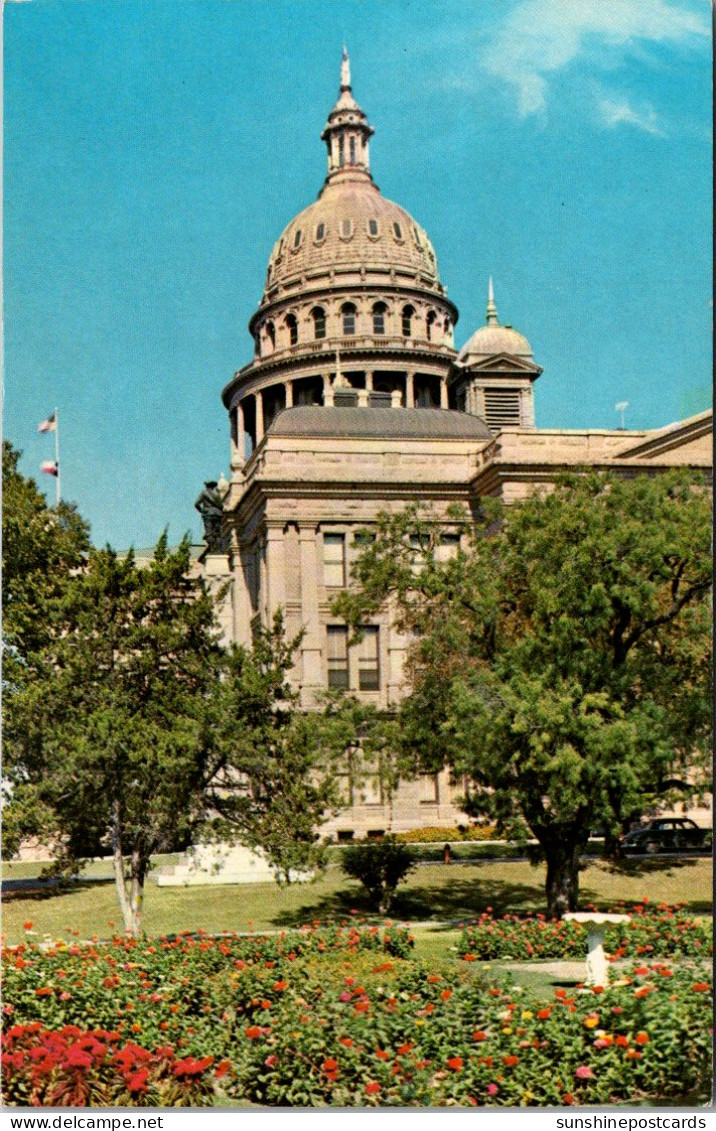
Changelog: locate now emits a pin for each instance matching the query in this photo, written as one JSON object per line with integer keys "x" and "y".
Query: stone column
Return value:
{"x": 312, "y": 674}
{"x": 275, "y": 571}
{"x": 240, "y": 432}
{"x": 369, "y": 380}
{"x": 259, "y": 398}
{"x": 443, "y": 392}
{"x": 410, "y": 390}
{"x": 327, "y": 391}
{"x": 241, "y": 599}
{"x": 288, "y": 386}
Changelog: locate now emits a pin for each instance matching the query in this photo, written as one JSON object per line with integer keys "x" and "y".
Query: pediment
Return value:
{"x": 501, "y": 363}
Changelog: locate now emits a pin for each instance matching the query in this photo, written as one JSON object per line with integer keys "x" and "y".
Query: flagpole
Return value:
{"x": 57, "y": 455}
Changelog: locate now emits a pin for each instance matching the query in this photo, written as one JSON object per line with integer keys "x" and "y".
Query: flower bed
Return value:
{"x": 331, "y": 1017}
{"x": 657, "y": 933}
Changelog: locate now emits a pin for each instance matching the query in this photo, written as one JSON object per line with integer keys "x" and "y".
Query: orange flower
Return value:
{"x": 44, "y": 991}
{"x": 622, "y": 1041}
{"x": 432, "y": 978}
{"x": 633, "y": 1055}
{"x": 568, "y": 1099}
{"x": 543, "y": 1014}
{"x": 372, "y": 1088}
{"x": 403, "y": 1050}
{"x": 329, "y": 1064}
{"x": 362, "y": 1006}
{"x": 278, "y": 986}
{"x": 641, "y": 1039}
{"x": 469, "y": 958}
{"x": 446, "y": 994}
{"x": 643, "y": 991}
{"x": 456, "y": 1063}
{"x": 382, "y": 1054}
{"x": 701, "y": 986}
{"x": 253, "y": 1032}
{"x": 478, "y": 1035}
{"x": 347, "y": 1041}
{"x": 265, "y": 1004}
{"x": 510, "y": 1061}
{"x": 27, "y": 926}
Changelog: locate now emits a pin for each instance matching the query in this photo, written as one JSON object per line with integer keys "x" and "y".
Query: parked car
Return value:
{"x": 666, "y": 834}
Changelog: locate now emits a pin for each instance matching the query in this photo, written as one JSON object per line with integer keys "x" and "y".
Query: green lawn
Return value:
{"x": 432, "y": 893}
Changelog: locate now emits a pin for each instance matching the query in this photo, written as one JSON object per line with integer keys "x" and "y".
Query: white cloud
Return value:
{"x": 539, "y": 37}
{"x": 616, "y": 113}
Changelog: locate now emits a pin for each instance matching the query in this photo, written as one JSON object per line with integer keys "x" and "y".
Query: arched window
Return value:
{"x": 408, "y": 315}
{"x": 297, "y": 238}
{"x": 341, "y": 155}
{"x": 318, "y": 315}
{"x": 372, "y": 227}
{"x": 292, "y": 327}
{"x": 379, "y": 312}
{"x": 348, "y": 314}
{"x": 352, "y": 145}
{"x": 346, "y": 228}
{"x": 398, "y": 230}
{"x": 271, "y": 334}
{"x": 429, "y": 323}
{"x": 320, "y": 232}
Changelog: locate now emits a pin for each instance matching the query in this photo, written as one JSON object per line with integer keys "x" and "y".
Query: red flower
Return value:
{"x": 382, "y": 1054}
{"x": 510, "y": 1061}
{"x": 43, "y": 991}
{"x": 456, "y": 1063}
{"x": 347, "y": 1041}
{"x": 622, "y": 1041}
{"x": 253, "y": 1032}
{"x": 329, "y": 1064}
{"x": 403, "y": 1050}
{"x": 138, "y": 1082}
{"x": 372, "y": 1088}
{"x": 568, "y": 1099}
{"x": 271, "y": 1060}
{"x": 222, "y": 1068}
{"x": 278, "y": 986}
{"x": 478, "y": 1035}
{"x": 543, "y": 1014}
{"x": 27, "y": 926}
{"x": 446, "y": 994}
{"x": 641, "y": 1039}
{"x": 634, "y": 1055}
{"x": 700, "y": 986}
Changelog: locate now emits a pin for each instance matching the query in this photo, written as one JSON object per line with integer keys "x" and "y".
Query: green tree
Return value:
{"x": 561, "y": 659}
{"x": 380, "y": 865}
{"x": 133, "y": 727}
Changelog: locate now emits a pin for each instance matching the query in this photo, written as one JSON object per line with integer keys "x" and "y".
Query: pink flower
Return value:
{"x": 584, "y": 1072}
{"x": 492, "y": 1089}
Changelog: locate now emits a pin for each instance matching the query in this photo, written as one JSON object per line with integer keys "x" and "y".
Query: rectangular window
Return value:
{"x": 502, "y": 408}
{"x": 369, "y": 660}
{"x": 337, "y": 654}
{"x": 334, "y": 560}
{"x": 429, "y": 789}
{"x": 447, "y": 547}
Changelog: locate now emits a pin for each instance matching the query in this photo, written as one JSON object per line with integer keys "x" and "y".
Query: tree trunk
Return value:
{"x": 562, "y": 886}
{"x": 139, "y": 872}
{"x": 118, "y": 863}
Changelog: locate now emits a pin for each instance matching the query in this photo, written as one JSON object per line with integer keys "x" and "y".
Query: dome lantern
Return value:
{"x": 347, "y": 133}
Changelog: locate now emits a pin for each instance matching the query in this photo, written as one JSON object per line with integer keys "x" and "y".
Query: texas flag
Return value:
{"x": 49, "y": 425}
{"x": 49, "y": 467}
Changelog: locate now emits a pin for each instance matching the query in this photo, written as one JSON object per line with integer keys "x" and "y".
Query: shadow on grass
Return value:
{"x": 48, "y": 889}
{"x": 464, "y": 899}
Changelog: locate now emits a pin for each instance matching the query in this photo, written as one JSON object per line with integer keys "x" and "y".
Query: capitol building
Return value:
{"x": 356, "y": 402}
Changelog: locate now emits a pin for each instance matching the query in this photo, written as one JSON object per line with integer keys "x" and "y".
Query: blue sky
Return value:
{"x": 155, "y": 149}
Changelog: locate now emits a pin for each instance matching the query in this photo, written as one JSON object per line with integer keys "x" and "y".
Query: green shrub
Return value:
{"x": 437, "y": 835}
{"x": 380, "y": 866}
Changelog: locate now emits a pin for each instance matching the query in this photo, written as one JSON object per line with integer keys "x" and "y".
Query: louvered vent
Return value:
{"x": 502, "y": 408}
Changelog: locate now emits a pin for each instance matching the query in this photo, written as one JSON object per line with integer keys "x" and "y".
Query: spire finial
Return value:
{"x": 491, "y": 308}
{"x": 345, "y": 70}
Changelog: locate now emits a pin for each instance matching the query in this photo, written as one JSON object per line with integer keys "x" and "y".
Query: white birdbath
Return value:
{"x": 595, "y": 922}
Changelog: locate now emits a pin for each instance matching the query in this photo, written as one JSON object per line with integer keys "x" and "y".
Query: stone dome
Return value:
{"x": 352, "y": 224}
{"x": 493, "y": 339}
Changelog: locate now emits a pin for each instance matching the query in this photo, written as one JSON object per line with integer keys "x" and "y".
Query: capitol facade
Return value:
{"x": 356, "y": 402}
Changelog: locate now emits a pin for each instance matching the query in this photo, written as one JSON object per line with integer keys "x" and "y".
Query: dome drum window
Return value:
{"x": 373, "y": 229}
{"x": 407, "y": 321}
{"x": 297, "y": 239}
{"x": 346, "y": 229}
{"x": 292, "y": 327}
{"x": 348, "y": 316}
{"x": 320, "y": 233}
{"x": 318, "y": 315}
{"x": 379, "y": 312}
{"x": 398, "y": 231}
